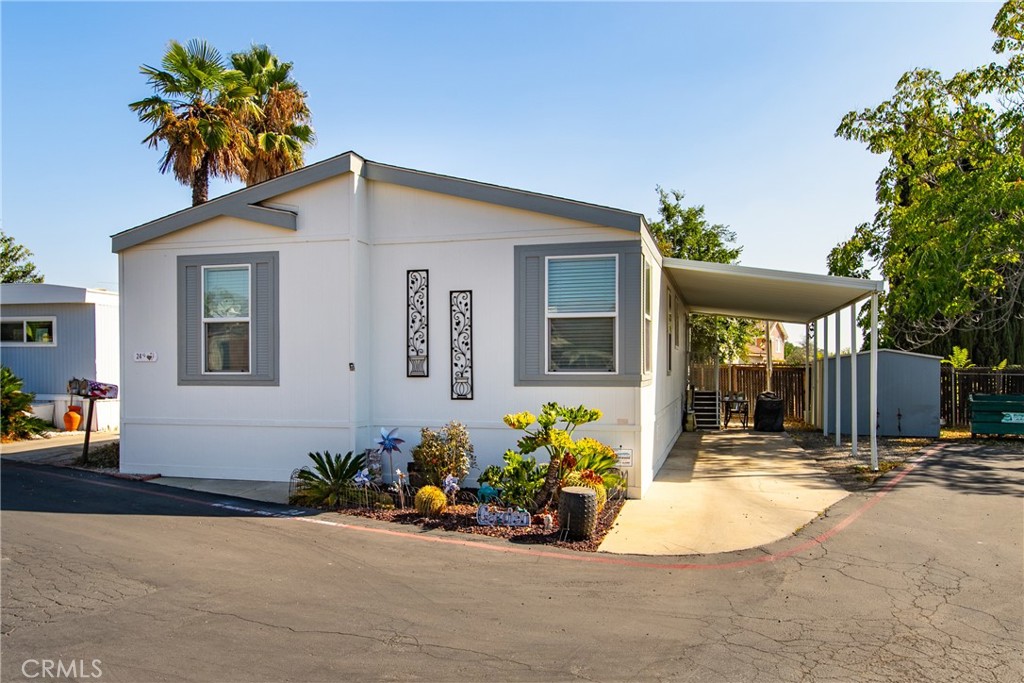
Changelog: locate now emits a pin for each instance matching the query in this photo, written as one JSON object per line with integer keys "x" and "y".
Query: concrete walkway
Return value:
{"x": 60, "y": 448}
{"x": 724, "y": 491}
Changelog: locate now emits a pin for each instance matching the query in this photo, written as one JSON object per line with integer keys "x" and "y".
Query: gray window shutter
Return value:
{"x": 533, "y": 283}
{"x": 190, "y": 324}
{"x": 264, "y": 323}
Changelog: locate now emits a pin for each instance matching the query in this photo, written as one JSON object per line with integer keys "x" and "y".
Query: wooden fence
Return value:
{"x": 751, "y": 380}
{"x": 958, "y": 385}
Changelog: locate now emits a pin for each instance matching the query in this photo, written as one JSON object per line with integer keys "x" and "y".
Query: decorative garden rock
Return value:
{"x": 577, "y": 512}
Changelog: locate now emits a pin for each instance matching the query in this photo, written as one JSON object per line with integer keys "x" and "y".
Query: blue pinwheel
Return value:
{"x": 362, "y": 478}
{"x": 450, "y": 486}
{"x": 388, "y": 442}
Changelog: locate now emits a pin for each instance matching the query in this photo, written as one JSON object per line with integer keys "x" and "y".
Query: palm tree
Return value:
{"x": 198, "y": 109}
{"x": 281, "y": 129}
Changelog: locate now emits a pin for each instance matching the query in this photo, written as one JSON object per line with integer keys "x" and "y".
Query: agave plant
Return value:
{"x": 331, "y": 481}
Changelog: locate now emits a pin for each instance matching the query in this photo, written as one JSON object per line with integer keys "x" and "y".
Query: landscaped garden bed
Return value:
{"x": 462, "y": 518}
{"x": 518, "y": 501}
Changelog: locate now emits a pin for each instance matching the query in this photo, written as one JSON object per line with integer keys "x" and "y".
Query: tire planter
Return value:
{"x": 577, "y": 512}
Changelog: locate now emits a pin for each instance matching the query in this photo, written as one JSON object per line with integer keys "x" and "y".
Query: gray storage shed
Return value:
{"x": 908, "y": 394}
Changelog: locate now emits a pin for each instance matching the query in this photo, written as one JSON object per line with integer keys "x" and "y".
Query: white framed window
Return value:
{"x": 226, "y": 320}
{"x": 581, "y": 314}
{"x": 28, "y": 331}
{"x": 648, "y": 341}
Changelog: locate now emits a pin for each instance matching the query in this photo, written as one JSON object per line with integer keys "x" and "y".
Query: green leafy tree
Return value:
{"x": 280, "y": 122}
{"x": 14, "y": 262}
{"x": 684, "y": 232}
{"x": 949, "y": 231}
{"x": 199, "y": 112}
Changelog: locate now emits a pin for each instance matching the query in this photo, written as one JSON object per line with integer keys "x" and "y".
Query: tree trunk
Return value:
{"x": 201, "y": 182}
{"x": 547, "y": 492}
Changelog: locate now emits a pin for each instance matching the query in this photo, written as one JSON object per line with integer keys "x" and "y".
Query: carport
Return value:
{"x": 791, "y": 297}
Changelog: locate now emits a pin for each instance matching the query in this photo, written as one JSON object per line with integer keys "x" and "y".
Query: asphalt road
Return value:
{"x": 132, "y": 582}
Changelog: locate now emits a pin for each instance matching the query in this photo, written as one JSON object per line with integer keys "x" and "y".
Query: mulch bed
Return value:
{"x": 462, "y": 518}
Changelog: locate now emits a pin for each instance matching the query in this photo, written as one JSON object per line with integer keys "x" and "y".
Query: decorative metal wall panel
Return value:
{"x": 462, "y": 344}
{"x": 416, "y": 324}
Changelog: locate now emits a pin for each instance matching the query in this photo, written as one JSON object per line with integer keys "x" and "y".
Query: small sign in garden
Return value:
{"x": 491, "y": 515}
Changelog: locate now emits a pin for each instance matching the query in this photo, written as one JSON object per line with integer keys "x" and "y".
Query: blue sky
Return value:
{"x": 735, "y": 104}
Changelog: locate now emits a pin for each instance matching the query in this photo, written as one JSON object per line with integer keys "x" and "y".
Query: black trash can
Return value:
{"x": 768, "y": 412}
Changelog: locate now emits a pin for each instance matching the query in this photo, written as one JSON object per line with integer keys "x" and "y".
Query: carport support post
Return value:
{"x": 807, "y": 374}
{"x": 873, "y": 384}
{"x": 816, "y": 367}
{"x": 839, "y": 396}
{"x": 824, "y": 378}
{"x": 853, "y": 380}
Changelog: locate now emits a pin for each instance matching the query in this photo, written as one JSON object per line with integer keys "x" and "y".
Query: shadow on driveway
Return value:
{"x": 41, "y": 488}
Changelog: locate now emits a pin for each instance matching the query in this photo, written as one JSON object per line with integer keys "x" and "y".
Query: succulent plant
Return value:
{"x": 590, "y": 480}
{"x": 431, "y": 501}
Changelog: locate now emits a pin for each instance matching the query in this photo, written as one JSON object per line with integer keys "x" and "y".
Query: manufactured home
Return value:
{"x": 310, "y": 311}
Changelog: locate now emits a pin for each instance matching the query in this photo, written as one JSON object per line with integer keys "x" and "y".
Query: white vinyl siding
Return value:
{"x": 582, "y": 313}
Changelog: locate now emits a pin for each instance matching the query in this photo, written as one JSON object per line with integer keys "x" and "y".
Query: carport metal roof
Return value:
{"x": 783, "y": 296}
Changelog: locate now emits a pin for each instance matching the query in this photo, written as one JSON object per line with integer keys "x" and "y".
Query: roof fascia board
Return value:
{"x": 504, "y": 196}
{"x": 278, "y": 218}
{"x": 239, "y": 204}
{"x": 865, "y": 285}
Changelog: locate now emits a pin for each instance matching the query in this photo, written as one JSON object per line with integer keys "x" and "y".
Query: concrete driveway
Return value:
{"x": 724, "y": 491}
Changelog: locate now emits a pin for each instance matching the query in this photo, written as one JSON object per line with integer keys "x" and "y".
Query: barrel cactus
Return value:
{"x": 431, "y": 501}
{"x": 591, "y": 482}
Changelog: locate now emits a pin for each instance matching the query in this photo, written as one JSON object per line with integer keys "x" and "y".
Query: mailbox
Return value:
{"x": 88, "y": 388}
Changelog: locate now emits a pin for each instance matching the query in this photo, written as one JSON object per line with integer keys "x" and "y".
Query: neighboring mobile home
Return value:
{"x": 310, "y": 311}
{"x": 50, "y": 334}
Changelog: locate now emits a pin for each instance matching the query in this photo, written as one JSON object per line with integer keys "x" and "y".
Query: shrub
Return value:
{"x": 591, "y": 454}
{"x": 329, "y": 483}
{"x": 519, "y": 481}
{"x": 446, "y": 452}
{"x": 555, "y": 439}
{"x": 16, "y": 419}
{"x": 431, "y": 502}
{"x": 591, "y": 480}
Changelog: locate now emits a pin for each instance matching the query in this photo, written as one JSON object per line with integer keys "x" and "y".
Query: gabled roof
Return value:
{"x": 21, "y": 293}
{"x": 246, "y": 203}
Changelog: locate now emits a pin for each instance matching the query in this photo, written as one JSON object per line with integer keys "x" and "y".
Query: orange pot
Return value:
{"x": 72, "y": 419}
